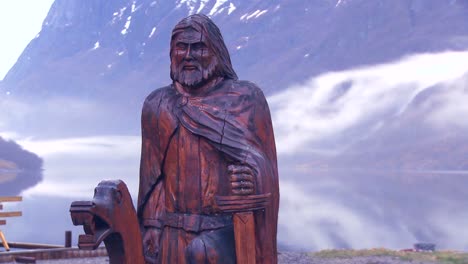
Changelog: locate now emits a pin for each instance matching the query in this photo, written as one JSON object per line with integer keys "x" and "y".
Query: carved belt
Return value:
{"x": 196, "y": 222}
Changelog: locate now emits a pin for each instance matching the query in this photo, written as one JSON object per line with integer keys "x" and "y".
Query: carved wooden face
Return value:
{"x": 192, "y": 60}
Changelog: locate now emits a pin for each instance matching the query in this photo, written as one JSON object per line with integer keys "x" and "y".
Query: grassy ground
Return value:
{"x": 446, "y": 257}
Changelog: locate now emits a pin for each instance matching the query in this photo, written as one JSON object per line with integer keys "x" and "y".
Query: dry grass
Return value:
{"x": 445, "y": 257}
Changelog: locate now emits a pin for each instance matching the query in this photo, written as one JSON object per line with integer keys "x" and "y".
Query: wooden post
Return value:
{"x": 68, "y": 239}
{"x": 11, "y": 199}
{"x": 8, "y": 214}
{"x": 4, "y": 242}
{"x": 11, "y": 214}
{"x": 244, "y": 230}
{"x": 243, "y": 207}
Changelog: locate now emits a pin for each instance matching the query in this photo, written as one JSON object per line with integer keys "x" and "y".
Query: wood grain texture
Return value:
{"x": 4, "y": 241}
{"x": 11, "y": 214}
{"x": 110, "y": 218}
{"x": 244, "y": 227}
{"x": 207, "y": 150}
{"x": 10, "y": 199}
{"x": 208, "y": 190}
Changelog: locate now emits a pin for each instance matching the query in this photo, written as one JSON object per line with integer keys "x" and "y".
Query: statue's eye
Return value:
{"x": 181, "y": 45}
{"x": 198, "y": 46}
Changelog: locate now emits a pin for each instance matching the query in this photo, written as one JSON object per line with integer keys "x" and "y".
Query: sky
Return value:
{"x": 20, "y": 21}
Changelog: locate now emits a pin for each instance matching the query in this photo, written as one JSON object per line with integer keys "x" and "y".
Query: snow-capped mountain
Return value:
{"x": 94, "y": 60}
{"x": 91, "y": 48}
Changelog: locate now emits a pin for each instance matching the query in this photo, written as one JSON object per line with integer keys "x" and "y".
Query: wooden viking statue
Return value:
{"x": 208, "y": 155}
{"x": 208, "y": 177}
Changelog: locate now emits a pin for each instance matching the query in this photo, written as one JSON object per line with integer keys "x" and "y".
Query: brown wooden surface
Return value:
{"x": 244, "y": 227}
{"x": 4, "y": 241}
{"x": 204, "y": 137}
{"x": 11, "y": 214}
{"x": 24, "y": 245}
{"x": 110, "y": 218}
{"x": 10, "y": 199}
{"x": 208, "y": 189}
{"x": 241, "y": 203}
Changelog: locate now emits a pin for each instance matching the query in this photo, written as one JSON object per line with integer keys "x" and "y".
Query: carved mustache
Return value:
{"x": 189, "y": 66}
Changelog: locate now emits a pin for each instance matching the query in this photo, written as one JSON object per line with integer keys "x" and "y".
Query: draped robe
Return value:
{"x": 234, "y": 119}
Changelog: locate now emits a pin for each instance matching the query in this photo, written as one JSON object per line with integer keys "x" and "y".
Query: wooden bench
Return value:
{"x": 4, "y": 199}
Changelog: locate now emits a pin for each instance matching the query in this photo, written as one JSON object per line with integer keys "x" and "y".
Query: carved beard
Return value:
{"x": 195, "y": 78}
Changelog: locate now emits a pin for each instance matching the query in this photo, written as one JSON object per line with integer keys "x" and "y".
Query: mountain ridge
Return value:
{"x": 133, "y": 36}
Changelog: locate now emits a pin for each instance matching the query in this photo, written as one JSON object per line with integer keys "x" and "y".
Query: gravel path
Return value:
{"x": 97, "y": 260}
{"x": 283, "y": 258}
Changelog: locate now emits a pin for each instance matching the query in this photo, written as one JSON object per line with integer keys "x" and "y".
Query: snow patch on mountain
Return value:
{"x": 202, "y": 5}
{"x": 341, "y": 3}
{"x": 152, "y": 32}
{"x": 232, "y": 7}
{"x": 196, "y": 6}
{"x": 216, "y": 7}
{"x": 118, "y": 15}
{"x": 256, "y": 14}
{"x": 126, "y": 26}
{"x": 190, "y": 4}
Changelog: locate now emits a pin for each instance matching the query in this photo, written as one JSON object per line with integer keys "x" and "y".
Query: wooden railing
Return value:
{"x": 4, "y": 199}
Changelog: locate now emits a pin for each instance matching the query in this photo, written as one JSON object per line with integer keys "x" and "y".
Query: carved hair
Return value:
{"x": 215, "y": 41}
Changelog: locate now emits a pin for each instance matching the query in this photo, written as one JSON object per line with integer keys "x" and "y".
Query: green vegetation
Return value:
{"x": 445, "y": 257}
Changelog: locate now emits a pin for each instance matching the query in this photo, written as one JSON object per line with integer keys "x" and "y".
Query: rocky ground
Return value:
{"x": 304, "y": 258}
{"x": 283, "y": 258}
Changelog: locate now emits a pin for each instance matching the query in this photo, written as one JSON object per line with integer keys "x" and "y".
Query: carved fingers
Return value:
{"x": 242, "y": 179}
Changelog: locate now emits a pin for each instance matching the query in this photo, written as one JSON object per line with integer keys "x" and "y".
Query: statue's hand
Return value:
{"x": 151, "y": 244}
{"x": 242, "y": 179}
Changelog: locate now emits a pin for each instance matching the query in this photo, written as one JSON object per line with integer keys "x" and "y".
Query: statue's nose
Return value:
{"x": 188, "y": 53}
